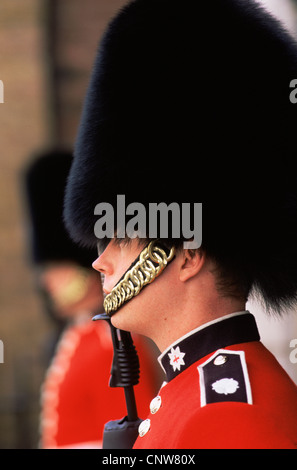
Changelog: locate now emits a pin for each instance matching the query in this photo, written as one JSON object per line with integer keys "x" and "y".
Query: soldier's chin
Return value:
{"x": 119, "y": 318}
{"x": 126, "y": 318}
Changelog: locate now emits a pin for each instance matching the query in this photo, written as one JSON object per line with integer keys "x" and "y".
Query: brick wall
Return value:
{"x": 38, "y": 111}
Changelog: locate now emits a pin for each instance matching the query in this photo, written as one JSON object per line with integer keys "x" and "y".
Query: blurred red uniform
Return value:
{"x": 76, "y": 398}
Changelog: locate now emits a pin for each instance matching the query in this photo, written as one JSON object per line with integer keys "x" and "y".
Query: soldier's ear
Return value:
{"x": 191, "y": 264}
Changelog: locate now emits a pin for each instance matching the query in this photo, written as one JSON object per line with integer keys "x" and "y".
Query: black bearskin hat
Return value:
{"x": 190, "y": 102}
{"x": 44, "y": 185}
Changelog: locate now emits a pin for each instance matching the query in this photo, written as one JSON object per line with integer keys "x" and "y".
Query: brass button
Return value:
{"x": 220, "y": 360}
{"x": 144, "y": 427}
{"x": 155, "y": 404}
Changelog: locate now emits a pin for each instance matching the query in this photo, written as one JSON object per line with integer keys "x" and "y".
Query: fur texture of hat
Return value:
{"x": 45, "y": 180}
{"x": 189, "y": 102}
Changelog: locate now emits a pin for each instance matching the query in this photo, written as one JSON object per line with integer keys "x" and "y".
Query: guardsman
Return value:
{"x": 188, "y": 102}
{"x": 76, "y": 400}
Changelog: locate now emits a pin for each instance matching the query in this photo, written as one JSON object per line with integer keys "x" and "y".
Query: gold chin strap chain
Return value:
{"x": 152, "y": 261}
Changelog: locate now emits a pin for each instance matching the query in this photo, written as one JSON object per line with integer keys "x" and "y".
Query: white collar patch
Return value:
{"x": 176, "y": 358}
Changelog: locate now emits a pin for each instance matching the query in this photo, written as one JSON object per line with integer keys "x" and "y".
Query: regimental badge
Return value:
{"x": 176, "y": 358}
{"x": 224, "y": 377}
{"x": 225, "y": 386}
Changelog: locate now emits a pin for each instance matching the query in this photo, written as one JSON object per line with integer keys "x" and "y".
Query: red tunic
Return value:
{"x": 234, "y": 396}
{"x": 76, "y": 398}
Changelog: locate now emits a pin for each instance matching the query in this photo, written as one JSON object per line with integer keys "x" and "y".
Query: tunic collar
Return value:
{"x": 236, "y": 328}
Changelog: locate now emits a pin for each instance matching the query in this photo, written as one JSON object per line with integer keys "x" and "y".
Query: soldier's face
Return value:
{"x": 114, "y": 262}
{"x": 143, "y": 313}
{"x": 71, "y": 288}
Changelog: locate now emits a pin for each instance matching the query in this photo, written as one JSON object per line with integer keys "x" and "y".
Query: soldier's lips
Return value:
{"x": 105, "y": 291}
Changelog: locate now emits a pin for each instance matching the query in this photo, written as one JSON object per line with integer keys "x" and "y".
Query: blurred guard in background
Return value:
{"x": 189, "y": 102}
{"x": 76, "y": 400}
